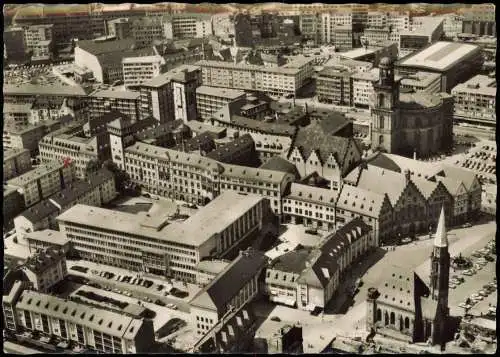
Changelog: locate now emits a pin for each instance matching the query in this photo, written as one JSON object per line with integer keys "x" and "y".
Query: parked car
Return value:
{"x": 467, "y": 225}
{"x": 160, "y": 303}
{"x": 275, "y": 318}
{"x": 159, "y": 287}
{"x": 483, "y": 293}
{"x": 312, "y": 231}
{"x": 147, "y": 195}
{"x": 489, "y": 258}
{"x": 172, "y": 306}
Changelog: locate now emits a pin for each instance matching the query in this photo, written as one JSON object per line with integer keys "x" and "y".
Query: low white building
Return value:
{"x": 137, "y": 70}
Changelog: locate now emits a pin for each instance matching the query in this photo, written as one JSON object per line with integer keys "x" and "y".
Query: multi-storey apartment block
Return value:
{"x": 211, "y": 99}
{"x": 334, "y": 86}
{"x": 181, "y": 26}
{"x": 285, "y": 80}
{"x": 45, "y": 180}
{"x": 147, "y": 243}
{"x": 104, "y": 101}
{"x": 16, "y": 162}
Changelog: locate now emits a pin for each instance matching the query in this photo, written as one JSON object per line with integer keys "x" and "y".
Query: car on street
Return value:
{"x": 489, "y": 258}
{"x": 275, "y": 318}
{"x": 159, "y": 287}
{"x": 462, "y": 305}
{"x": 452, "y": 286}
{"x": 467, "y": 225}
{"x": 467, "y": 272}
{"x": 483, "y": 293}
{"x": 172, "y": 306}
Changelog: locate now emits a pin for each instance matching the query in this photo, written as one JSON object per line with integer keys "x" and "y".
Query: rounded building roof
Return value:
{"x": 385, "y": 61}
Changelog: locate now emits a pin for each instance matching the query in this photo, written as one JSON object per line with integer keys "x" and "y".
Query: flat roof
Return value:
{"x": 167, "y": 77}
{"x": 35, "y": 89}
{"x": 439, "y": 56}
{"x": 142, "y": 59}
{"x": 479, "y": 84}
{"x": 249, "y": 67}
{"x": 358, "y": 52}
{"x": 116, "y": 94}
{"x": 196, "y": 230}
{"x": 220, "y": 92}
{"x": 48, "y": 236}
{"x": 420, "y": 78}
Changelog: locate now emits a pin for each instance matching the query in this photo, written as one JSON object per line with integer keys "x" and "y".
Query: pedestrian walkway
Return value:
{"x": 15, "y": 348}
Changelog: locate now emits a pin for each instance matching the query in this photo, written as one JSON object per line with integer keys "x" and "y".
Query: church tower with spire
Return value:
{"x": 440, "y": 277}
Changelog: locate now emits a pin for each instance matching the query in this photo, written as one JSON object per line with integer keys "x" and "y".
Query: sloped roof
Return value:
{"x": 102, "y": 47}
{"x": 277, "y": 163}
{"x": 399, "y": 289}
{"x": 313, "y": 138}
{"x": 230, "y": 281}
{"x": 468, "y": 177}
{"x": 291, "y": 262}
{"x": 387, "y": 181}
{"x": 384, "y": 162}
{"x": 71, "y": 193}
{"x": 43, "y": 260}
{"x": 451, "y": 184}
{"x": 225, "y": 152}
{"x": 40, "y": 211}
{"x": 109, "y": 322}
{"x": 312, "y": 194}
{"x": 250, "y": 173}
{"x": 361, "y": 200}
{"x": 262, "y": 126}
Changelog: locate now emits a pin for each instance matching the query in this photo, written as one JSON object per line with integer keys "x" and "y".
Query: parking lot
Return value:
{"x": 35, "y": 74}
{"x": 167, "y": 291}
{"x": 482, "y": 160}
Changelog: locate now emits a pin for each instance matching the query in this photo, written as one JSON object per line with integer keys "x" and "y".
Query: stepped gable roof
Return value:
{"x": 468, "y": 177}
{"x": 313, "y": 138}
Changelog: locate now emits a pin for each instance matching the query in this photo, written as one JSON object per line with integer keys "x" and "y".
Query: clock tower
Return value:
{"x": 385, "y": 115}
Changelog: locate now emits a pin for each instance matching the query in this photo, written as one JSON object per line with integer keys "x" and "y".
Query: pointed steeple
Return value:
{"x": 441, "y": 238}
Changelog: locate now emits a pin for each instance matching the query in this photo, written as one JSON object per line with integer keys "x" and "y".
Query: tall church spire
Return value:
{"x": 441, "y": 238}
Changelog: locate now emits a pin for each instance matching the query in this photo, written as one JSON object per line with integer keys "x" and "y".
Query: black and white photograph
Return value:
{"x": 249, "y": 178}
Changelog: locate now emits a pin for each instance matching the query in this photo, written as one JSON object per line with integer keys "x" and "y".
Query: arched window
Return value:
{"x": 386, "y": 318}
{"x": 393, "y": 318}
{"x": 407, "y": 322}
{"x": 381, "y": 139}
{"x": 380, "y": 100}
{"x": 381, "y": 123}
{"x": 400, "y": 322}
{"x": 379, "y": 315}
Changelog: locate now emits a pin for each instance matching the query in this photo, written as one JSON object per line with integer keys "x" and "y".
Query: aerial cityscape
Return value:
{"x": 249, "y": 178}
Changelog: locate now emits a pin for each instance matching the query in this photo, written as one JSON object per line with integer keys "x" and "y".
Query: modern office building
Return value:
{"x": 456, "y": 62}
{"x": 211, "y": 99}
{"x": 15, "y": 162}
{"x": 43, "y": 181}
{"x": 427, "y": 82}
{"x": 362, "y": 87}
{"x": 342, "y": 37}
{"x": 102, "y": 330}
{"x": 281, "y": 81}
{"x": 426, "y": 31}
{"x": 334, "y": 86}
{"x": 230, "y": 291}
{"x": 137, "y": 70}
{"x": 377, "y": 34}
{"x": 47, "y": 238}
{"x": 104, "y": 101}
{"x": 452, "y": 25}
{"x": 27, "y": 136}
{"x": 157, "y": 94}
{"x": 181, "y": 26}
{"x": 475, "y": 100}
{"x": 151, "y": 244}
{"x": 38, "y": 40}
{"x": 184, "y": 84}
{"x": 145, "y": 30}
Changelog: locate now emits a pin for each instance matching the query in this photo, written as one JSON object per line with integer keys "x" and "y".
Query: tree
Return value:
{"x": 92, "y": 167}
